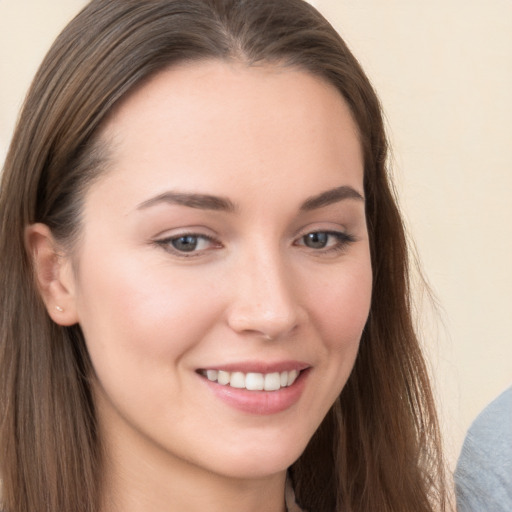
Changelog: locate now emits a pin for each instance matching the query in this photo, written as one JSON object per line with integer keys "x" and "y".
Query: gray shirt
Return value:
{"x": 483, "y": 477}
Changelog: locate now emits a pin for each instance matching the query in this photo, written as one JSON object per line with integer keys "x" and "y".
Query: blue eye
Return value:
{"x": 316, "y": 240}
{"x": 187, "y": 244}
{"x": 327, "y": 240}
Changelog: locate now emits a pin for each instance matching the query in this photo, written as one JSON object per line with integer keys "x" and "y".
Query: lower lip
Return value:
{"x": 260, "y": 402}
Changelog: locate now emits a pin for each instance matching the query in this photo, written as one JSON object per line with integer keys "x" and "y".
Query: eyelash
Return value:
{"x": 167, "y": 244}
{"x": 342, "y": 241}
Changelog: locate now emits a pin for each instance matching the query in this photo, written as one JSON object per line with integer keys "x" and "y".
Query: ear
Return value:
{"x": 54, "y": 274}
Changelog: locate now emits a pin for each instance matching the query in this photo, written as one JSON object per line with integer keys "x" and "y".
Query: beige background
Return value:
{"x": 443, "y": 70}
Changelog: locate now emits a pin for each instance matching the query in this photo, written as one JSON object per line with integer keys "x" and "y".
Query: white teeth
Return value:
{"x": 237, "y": 380}
{"x": 252, "y": 381}
{"x": 272, "y": 381}
{"x": 292, "y": 375}
{"x": 223, "y": 377}
{"x": 212, "y": 374}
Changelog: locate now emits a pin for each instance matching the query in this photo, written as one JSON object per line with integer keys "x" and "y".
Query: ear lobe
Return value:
{"x": 53, "y": 273}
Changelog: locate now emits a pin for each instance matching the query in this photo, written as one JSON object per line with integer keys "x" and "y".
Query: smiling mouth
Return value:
{"x": 252, "y": 381}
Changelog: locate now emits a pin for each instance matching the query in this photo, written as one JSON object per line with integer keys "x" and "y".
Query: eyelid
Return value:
{"x": 165, "y": 243}
{"x": 344, "y": 239}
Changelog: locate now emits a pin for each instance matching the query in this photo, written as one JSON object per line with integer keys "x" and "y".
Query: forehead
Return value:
{"x": 199, "y": 124}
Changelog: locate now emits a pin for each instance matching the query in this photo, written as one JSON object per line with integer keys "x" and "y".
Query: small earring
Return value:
{"x": 59, "y": 309}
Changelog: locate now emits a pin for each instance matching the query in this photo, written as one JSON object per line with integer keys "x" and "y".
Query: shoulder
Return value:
{"x": 483, "y": 477}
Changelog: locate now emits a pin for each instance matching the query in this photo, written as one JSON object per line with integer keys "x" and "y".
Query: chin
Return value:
{"x": 262, "y": 461}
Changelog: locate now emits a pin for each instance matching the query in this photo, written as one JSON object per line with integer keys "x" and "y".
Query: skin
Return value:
{"x": 266, "y": 139}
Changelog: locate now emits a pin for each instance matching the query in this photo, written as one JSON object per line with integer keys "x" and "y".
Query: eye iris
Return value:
{"x": 316, "y": 240}
{"x": 185, "y": 243}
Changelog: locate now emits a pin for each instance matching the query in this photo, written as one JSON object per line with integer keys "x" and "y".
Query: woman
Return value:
{"x": 204, "y": 273}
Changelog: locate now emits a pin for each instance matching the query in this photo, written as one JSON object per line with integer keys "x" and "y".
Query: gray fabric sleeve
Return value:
{"x": 483, "y": 477}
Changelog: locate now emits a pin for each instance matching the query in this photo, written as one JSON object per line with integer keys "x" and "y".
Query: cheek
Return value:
{"x": 338, "y": 307}
{"x": 130, "y": 313}
{"x": 341, "y": 306}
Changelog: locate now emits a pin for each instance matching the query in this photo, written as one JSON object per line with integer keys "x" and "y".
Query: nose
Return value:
{"x": 264, "y": 301}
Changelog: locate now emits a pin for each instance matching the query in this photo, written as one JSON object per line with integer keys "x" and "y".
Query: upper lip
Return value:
{"x": 259, "y": 366}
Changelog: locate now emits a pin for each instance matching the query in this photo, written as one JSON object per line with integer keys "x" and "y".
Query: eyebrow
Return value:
{"x": 218, "y": 203}
{"x": 331, "y": 196}
{"x": 200, "y": 201}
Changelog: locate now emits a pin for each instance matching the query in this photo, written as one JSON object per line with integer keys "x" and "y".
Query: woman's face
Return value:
{"x": 224, "y": 248}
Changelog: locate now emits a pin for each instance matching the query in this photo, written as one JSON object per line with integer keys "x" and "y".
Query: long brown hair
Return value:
{"x": 378, "y": 448}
